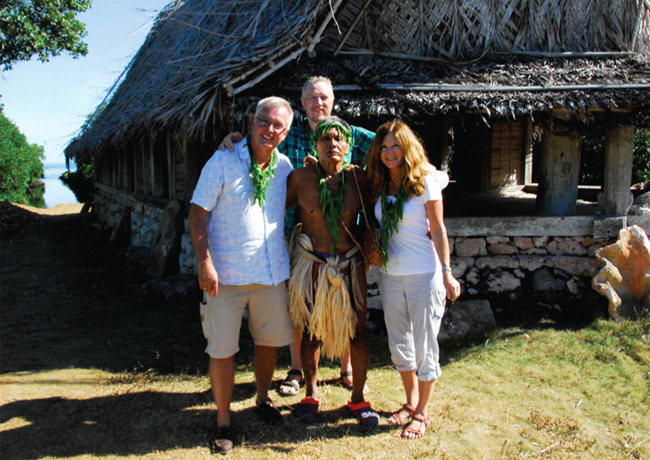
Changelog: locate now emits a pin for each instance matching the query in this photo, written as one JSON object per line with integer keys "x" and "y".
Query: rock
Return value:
{"x": 531, "y": 263}
{"x": 177, "y": 287}
{"x": 523, "y": 242}
{"x": 547, "y": 286}
{"x": 574, "y": 265}
{"x": 121, "y": 235}
{"x": 641, "y": 206}
{"x": 473, "y": 276}
{"x": 625, "y": 278}
{"x": 541, "y": 241}
{"x": 502, "y": 282}
{"x": 466, "y": 317}
{"x": 374, "y": 303}
{"x": 459, "y": 266}
{"x": 502, "y": 249}
{"x": 164, "y": 254}
{"x": 571, "y": 247}
{"x": 471, "y": 247}
{"x": 495, "y": 262}
{"x": 573, "y": 286}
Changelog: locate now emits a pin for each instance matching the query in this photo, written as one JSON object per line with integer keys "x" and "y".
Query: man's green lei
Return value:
{"x": 332, "y": 206}
{"x": 261, "y": 177}
{"x": 391, "y": 215}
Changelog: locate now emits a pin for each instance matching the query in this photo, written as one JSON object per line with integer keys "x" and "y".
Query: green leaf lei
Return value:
{"x": 391, "y": 216}
{"x": 332, "y": 206}
{"x": 261, "y": 177}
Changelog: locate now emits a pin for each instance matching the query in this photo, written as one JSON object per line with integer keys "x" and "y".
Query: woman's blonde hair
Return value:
{"x": 414, "y": 167}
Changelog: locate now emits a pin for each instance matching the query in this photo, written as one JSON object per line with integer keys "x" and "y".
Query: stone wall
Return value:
{"x": 145, "y": 220}
{"x": 531, "y": 260}
{"x": 501, "y": 259}
{"x": 186, "y": 259}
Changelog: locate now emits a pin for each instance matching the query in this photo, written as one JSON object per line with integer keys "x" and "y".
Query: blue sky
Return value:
{"x": 50, "y": 101}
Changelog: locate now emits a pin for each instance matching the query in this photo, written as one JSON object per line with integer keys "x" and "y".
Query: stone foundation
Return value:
{"x": 504, "y": 260}
{"x": 108, "y": 204}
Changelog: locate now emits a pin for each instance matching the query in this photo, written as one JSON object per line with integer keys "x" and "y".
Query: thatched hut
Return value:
{"x": 480, "y": 80}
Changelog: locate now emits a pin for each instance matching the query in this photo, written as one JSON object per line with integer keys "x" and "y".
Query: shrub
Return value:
{"x": 81, "y": 181}
{"x": 641, "y": 162}
{"x": 20, "y": 163}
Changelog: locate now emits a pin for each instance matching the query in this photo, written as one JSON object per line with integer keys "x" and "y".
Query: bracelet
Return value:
{"x": 446, "y": 269}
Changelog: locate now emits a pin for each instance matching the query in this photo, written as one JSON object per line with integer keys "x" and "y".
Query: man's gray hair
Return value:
{"x": 274, "y": 101}
{"x": 311, "y": 81}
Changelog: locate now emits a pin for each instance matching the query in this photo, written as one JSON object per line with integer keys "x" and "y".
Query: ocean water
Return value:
{"x": 55, "y": 191}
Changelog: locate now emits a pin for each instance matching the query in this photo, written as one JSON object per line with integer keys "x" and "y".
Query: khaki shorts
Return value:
{"x": 268, "y": 317}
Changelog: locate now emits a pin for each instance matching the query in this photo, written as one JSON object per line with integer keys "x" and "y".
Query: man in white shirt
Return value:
{"x": 236, "y": 222}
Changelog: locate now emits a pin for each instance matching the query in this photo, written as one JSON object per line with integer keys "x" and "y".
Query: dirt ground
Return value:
{"x": 70, "y": 320}
{"x": 60, "y": 280}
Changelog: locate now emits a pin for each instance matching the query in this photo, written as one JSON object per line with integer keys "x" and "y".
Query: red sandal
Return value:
{"x": 417, "y": 427}
{"x": 364, "y": 413}
{"x": 396, "y": 417}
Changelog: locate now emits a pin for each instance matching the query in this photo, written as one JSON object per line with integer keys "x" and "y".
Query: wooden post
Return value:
{"x": 528, "y": 153}
{"x": 616, "y": 197}
{"x": 444, "y": 146}
{"x": 557, "y": 193}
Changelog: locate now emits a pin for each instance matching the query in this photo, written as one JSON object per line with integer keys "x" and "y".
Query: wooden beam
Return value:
{"x": 528, "y": 153}
{"x": 352, "y": 26}
{"x": 616, "y": 197}
{"x": 559, "y": 172}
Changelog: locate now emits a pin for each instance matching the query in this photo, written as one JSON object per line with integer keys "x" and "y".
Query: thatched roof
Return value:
{"x": 209, "y": 59}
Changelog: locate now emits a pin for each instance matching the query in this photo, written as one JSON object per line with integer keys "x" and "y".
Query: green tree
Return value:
{"x": 40, "y": 27}
{"x": 20, "y": 162}
{"x": 641, "y": 168}
{"x": 81, "y": 181}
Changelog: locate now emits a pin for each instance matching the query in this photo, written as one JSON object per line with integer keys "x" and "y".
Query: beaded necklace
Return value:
{"x": 261, "y": 177}
{"x": 392, "y": 212}
{"x": 332, "y": 206}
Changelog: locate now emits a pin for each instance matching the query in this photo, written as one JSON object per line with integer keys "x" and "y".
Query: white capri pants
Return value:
{"x": 413, "y": 310}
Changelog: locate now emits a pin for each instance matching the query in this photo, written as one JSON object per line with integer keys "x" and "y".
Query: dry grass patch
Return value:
{"x": 89, "y": 373}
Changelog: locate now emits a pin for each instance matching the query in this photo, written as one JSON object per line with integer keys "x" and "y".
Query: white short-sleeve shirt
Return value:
{"x": 246, "y": 241}
{"x": 410, "y": 250}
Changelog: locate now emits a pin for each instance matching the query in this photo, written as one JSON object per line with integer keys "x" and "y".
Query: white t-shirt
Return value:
{"x": 410, "y": 250}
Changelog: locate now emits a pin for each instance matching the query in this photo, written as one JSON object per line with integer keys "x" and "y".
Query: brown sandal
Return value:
{"x": 417, "y": 427}
{"x": 396, "y": 417}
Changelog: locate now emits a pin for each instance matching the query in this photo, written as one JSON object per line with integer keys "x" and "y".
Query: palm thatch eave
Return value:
{"x": 203, "y": 59}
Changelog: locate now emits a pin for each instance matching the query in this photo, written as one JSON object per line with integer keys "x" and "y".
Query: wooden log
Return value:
{"x": 559, "y": 172}
{"x": 616, "y": 197}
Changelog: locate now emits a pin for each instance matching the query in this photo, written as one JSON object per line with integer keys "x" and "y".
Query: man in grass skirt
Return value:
{"x": 327, "y": 289}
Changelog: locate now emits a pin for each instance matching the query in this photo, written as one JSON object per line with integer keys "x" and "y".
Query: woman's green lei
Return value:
{"x": 261, "y": 177}
{"x": 332, "y": 206}
{"x": 391, "y": 215}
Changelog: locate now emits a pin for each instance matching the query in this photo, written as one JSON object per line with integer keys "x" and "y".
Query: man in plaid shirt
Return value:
{"x": 318, "y": 101}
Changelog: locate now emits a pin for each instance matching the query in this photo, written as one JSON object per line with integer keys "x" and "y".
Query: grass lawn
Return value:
{"x": 88, "y": 372}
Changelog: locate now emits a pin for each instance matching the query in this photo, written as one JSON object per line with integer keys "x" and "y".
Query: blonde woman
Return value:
{"x": 416, "y": 276}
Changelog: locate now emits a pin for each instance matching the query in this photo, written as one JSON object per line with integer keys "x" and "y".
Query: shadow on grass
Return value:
{"x": 139, "y": 423}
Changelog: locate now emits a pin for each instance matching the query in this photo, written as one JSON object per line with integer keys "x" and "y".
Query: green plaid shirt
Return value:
{"x": 297, "y": 145}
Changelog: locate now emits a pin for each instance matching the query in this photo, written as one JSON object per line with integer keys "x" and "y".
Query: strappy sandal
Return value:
{"x": 223, "y": 440}
{"x": 396, "y": 418}
{"x": 350, "y": 386}
{"x": 269, "y": 414}
{"x": 288, "y": 386}
{"x": 417, "y": 427}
